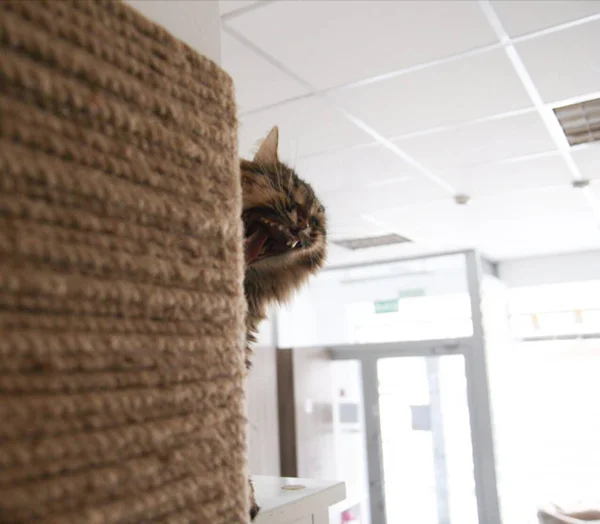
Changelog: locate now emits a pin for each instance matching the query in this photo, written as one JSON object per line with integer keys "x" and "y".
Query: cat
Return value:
{"x": 284, "y": 238}
{"x": 284, "y": 232}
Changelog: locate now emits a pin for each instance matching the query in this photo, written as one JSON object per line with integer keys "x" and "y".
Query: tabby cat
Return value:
{"x": 284, "y": 237}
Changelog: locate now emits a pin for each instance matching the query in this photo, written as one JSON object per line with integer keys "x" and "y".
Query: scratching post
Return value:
{"x": 121, "y": 298}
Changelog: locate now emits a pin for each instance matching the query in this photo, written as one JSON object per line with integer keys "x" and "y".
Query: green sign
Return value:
{"x": 386, "y": 306}
{"x": 410, "y": 293}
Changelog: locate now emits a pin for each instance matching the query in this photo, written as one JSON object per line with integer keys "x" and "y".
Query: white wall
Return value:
{"x": 547, "y": 425}
{"x": 266, "y": 332}
{"x": 196, "y": 22}
{"x": 350, "y": 440}
{"x": 318, "y": 314}
{"x": 575, "y": 267}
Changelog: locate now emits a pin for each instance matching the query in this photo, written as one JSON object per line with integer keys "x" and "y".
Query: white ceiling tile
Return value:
{"x": 338, "y": 256}
{"x": 526, "y": 16}
{"x": 566, "y": 63}
{"x": 596, "y": 191}
{"x": 353, "y": 168}
{"x": 343, "y": 226}
{"x": 372, "y": 202}
{"x": 439, "y": 224}
{"x": 522, "y": 201}
{"x": 306, "y": 127}
{"x": 257, "y": 82}
{"x": 536, "y": 205}
{"x": 488, "y": 141}
{"x": 518, "y": 225}
{"x": 545, "y": 221}
{"x": 330, "y": 43}
{"x": 538, "y": 238}
{"x": 459, "y": 91}
{"x": 364, "y": 200}
{"x": 502, "y": 177}
{"x": 587, "y": 159}
{"x": 229, "y": 6}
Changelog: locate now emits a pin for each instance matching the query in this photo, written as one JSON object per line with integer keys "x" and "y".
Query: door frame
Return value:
{"x": 368, "y": 355}
{"x": 473, "y": 350}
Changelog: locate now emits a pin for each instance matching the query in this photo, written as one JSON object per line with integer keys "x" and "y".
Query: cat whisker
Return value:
{"x": 294, "y": 167}
{"x": 278, "y": 173}
{"x": 267, "y": 177}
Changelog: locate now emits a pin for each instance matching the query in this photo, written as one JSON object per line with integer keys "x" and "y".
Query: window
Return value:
{"x": 555, "y": 310}
{"x": 415, "y": 318}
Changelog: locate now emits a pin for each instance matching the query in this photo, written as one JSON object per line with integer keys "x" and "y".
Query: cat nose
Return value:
{"x": 301, "y": 225}
{"x": 296, "y": 230}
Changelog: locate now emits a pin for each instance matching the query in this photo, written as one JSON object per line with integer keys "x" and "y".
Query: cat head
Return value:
{"x": 284, "y": 222}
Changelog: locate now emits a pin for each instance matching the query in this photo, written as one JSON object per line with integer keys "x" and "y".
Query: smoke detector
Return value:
{"x": 461, "y": 199}
{"x": 580, "y": 184}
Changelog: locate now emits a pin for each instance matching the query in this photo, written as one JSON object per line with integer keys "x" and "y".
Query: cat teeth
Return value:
{"x": 292, "y": 243}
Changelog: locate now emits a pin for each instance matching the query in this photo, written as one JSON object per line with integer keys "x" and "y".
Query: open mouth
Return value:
{"x": 266, "y": 236}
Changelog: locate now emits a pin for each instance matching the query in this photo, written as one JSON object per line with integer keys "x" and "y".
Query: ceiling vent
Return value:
{"x": 366, "y": 242}
{"x": 580, "y": 122}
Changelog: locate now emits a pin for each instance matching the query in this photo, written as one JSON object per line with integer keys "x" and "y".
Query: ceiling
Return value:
{"x": 392, "y": 108}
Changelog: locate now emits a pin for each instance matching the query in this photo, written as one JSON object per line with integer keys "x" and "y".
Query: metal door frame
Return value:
{"x": 473, "y": 350}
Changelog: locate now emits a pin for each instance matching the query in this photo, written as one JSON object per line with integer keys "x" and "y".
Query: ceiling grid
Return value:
{"x": 392, "y": 125}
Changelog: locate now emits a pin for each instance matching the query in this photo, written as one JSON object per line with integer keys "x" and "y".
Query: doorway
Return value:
{"x": 418, "y": 431}
{"x": 426, "y": 450}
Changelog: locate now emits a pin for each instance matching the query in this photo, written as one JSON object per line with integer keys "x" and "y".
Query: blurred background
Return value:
{"x": 445, "y": 363}
{"x": 434, "y": 127}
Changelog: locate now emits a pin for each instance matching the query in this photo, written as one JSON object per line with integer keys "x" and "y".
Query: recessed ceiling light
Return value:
{"x": 367, "y": 242}
{"x": 580, "y": 122}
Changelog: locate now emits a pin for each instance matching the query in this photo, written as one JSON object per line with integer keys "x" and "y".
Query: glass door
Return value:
{"x": 421, "y": 442}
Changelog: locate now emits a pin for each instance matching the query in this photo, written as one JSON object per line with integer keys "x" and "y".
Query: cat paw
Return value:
{"x": 254, "y": 509}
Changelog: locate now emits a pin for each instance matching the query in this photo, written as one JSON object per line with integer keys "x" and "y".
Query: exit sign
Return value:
{"x": 386, "y": 306}
{"x": 411, "y": 293}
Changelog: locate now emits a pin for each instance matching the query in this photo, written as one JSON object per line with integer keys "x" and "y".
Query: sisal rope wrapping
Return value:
{"x": 121, "y": 270}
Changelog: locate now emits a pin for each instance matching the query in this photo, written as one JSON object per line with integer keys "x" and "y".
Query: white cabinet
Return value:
{"x": 296, "y": 501}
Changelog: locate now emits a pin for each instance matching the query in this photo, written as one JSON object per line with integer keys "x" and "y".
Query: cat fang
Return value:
{"x": 266, "y": 237}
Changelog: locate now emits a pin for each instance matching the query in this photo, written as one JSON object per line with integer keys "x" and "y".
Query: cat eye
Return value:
{"x": 314, "y": 222}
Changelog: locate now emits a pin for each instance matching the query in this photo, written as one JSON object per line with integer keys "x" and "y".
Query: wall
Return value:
{"x": 305, "y": 391}
{"x": 197, "y": 23}
{"x": 261, "y": 392}
{"x": 263, "y": 420}
{"x": 266, "y": 333}
{"x": 547, "y": 425}
{"x": 350, "y": 441}
{"x": 554, "y": 269}
{"x": 317, "y": 315}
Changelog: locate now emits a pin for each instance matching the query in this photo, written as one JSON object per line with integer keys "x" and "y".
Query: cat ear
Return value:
{"x": 267, "y": 152}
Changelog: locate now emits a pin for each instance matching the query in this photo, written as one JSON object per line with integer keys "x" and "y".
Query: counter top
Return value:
{"x": 284, "y": 500}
